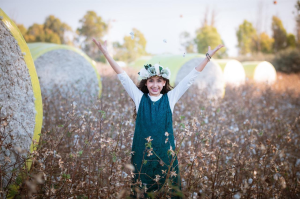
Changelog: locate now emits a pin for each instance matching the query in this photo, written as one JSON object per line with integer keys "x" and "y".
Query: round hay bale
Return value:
{"x": 67, "y": 69}
{"x": 211, "y": 78}
{"x": 233, "y": 71}
{"x": 21, "y": 110}
{"x": 261, "y": 72}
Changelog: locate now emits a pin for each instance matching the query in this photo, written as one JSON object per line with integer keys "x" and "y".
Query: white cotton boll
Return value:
{"x": 250, "y": 181}
{"x": 298, "y": 175}
{"x": 124, "y": 174}
{"x": 237, "y": 196}
{"x": 275, "y": 176}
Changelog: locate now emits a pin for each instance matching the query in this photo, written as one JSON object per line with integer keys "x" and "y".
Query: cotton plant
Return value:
{"x": 219, "y": 162}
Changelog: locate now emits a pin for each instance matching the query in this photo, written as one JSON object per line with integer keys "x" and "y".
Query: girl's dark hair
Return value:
{"x": 142, "y": 86}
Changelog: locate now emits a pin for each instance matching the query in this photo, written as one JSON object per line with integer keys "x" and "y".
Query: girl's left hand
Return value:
{"x": 212, "y": 52}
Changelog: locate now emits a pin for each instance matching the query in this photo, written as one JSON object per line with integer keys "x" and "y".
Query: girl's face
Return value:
{"x": 155, "y": 84}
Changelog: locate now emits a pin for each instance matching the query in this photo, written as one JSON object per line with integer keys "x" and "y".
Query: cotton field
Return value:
{"x": 244, "y": 145}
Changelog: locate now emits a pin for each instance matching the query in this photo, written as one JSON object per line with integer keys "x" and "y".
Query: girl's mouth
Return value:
{"x": 154, "y": 90}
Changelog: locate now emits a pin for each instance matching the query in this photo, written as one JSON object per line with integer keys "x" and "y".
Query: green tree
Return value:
{"x": 92, "y": 25}
{"x": 279, "y": 34}
{"x": 266, "y": 43}
{"x": 56, "y": 26}
{"x": 246, "y": 35}
{"x": 37, "y": 33}
{"x": 52, "y": 31}
{"x": 131, "y": 48}
{"x": 291, "y": 40}
{"x": 206, "y": 36}
{"x": 261, "y": 43}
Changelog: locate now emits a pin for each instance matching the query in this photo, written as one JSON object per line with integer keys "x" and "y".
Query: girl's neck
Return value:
{"x": 154, "y": 95}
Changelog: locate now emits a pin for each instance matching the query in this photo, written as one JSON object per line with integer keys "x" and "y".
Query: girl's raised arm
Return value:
{"x": 111, "y": 61}
{"x": 205, "y": 61}
{"x": 175, "y": 94}
{"x": 130, "y": 87}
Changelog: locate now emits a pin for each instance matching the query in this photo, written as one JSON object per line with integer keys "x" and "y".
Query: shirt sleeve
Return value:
{"x": 135, "y": 93}
{"x": 175, "y": 94}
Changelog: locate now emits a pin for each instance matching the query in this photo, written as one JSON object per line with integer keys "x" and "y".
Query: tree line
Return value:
{"x": 53, "y": 30}
{"x": 250, "y": 41}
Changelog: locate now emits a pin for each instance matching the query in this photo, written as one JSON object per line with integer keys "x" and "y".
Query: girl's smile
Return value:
{"x": 155, "y": 85}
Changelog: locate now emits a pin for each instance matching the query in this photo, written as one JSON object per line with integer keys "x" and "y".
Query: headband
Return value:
{"x": 157, "y": 70}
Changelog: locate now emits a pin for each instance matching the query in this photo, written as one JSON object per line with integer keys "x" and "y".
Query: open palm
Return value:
{"x": 102, "y": 47}
{"x": 212, "y": 52}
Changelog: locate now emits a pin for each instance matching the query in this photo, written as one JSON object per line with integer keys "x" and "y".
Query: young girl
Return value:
{"x": 153, "y": 146}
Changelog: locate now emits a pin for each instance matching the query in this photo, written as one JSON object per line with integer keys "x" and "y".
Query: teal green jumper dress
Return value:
{"x": 154, "y": 119}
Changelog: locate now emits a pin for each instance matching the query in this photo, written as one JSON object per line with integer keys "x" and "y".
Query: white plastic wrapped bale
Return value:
{"x": 260, "y": 72}
{"x": 210, "y": 80}
{"x": 67, "y": 69}
{"x": 233, "y": 71}
{"x": 20, "y": 98}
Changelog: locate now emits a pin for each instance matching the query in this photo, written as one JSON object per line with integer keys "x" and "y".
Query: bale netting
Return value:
{"x": 233, "y": 71}
{"x": 66, "y": 70}
{"x": 260, "y": 72}
{"x": 21, "y": 110}
{"x": 210, "y": 79}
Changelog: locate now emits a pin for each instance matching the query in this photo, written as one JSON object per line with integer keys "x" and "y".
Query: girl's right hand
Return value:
{"x": 102, "y": 47}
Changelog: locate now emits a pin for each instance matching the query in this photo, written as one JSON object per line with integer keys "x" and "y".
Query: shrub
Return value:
{"x": 287, "y": 61}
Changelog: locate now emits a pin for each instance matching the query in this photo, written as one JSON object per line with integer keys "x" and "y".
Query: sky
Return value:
{"x": 159, "y": 19}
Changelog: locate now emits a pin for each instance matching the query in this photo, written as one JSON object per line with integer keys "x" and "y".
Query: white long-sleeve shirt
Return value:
{"x": 174, "y": 95}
